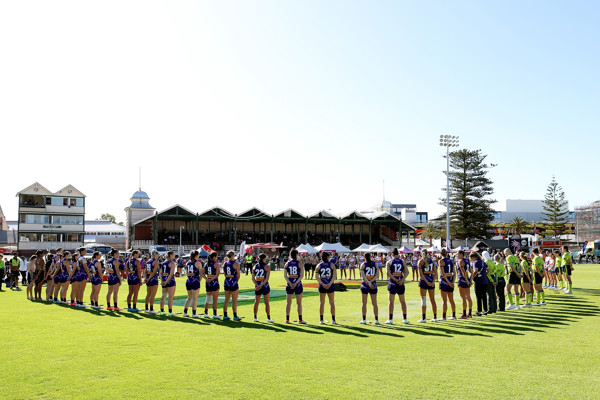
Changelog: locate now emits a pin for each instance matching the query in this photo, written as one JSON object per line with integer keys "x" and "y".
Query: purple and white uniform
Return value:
{"x": 397, "y": 271}
{"x": 326, "y": 275}
{"x": 260, "y": 275}
{"x": 193, "y": 276}
{"x": 293, "y": 271}
{"x": 428, "y": 274}
{"x": 231, "y": 277}
{"x": 448, "y": 272}
{"x": 166, "y": 271}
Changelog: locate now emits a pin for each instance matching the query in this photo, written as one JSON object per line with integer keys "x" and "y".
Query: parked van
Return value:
{"x": 162, "y": 250}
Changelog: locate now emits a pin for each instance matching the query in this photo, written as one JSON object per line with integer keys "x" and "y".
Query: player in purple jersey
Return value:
{"x": 479, "y": 275}
{"x": 56, "y": 276}
{"x": 447, "y": 279}
{"x": 260, "y": 276}
{"x": 74, "y": 277}
{"x": 134, "y": 280}
{"x": 114, "y": 279}
{"x": 231, "y": 268}
{"x": 351, "y": 266}
{"x": 464, "y": 284}
{"x": 84, "y": 274}
{"x": 50, "y": 275}
{"x": 343, "y": 266}
{"x": 293, "y": 271}
{"x": 326, "y": 276}
{"x": 95, "y": 270}
{"x": 212, "y": 270}
{"x": 64, "y": 281}
{"x": 193, "y": 271}
{"x": 369, "y": 271}
{"x": 151, "y": 281}
{"x": 168, "y": 269}
{"x": 428, "y": 276}
{"x": 397, "y": 273}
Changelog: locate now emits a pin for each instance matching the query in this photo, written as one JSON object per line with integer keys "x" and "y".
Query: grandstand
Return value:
{"x": 223, "y": 229}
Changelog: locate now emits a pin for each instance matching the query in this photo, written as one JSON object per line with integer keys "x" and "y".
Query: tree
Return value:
{"x": 470, "y": 188}
{"x": 108, "y": 217}
{"x": 430, "y": 231}
{"x": 518, "y": 225}
{"x": 556, "y": 209}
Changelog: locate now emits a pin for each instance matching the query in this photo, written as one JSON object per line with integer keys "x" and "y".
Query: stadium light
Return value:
{"x": 448, "y": 141}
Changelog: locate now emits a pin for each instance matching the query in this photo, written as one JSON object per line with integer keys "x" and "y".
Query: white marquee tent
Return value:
{"x": 337, "y": 247}
{"x": 306, "y": 249}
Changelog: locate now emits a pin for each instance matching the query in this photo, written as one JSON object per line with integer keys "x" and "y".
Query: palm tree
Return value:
{"x": 430, "y": 231}
{"x": 518, "y": 225}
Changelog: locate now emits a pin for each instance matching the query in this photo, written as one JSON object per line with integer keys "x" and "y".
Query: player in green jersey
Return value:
{"x": 567, "y": 262}
{"x": 538, "y": 277}
{"x": 527, "y": 278}
{"x": 559, "y": 269}
{"x": 513, "y": 266}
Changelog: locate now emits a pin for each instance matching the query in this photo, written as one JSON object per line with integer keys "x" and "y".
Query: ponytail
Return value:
{"x": 368, "y": 259}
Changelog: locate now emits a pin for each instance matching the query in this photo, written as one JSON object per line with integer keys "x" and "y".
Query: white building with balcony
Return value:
{"x": 50, "y": 220}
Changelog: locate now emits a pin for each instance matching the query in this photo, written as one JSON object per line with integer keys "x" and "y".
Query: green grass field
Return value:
{"x": 550, "y": 352}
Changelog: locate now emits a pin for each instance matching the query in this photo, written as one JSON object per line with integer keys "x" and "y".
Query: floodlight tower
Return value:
{"x": 448, "y": 141}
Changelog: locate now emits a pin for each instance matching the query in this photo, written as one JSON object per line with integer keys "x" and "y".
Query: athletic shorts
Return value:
{"x": 352, "y": 266}
{"x": 133, "y": 281}
{"x": 463, "y": 284}
{"x": 343, "y": 267}
{"x": 513, "y": 279}
{"x": 323, "y": 290}
{"x": 231, "y": 288}
{"x": 445, "y": 288}
{"x": 526, "y": 279}
{"x": 171, "y": 283}
{"x": 423, "y": 285}
{"x": 538, "y": 279}
{"x": 568, "y": 270}
{"x": 192, "y": 284}
{"x": 152, "y": 282}
{"x": 212, "y": 287}
{"x": 96, "y": 280}
{"x": 365, "y": 289}
{"x": 113, "y": 280}
{"x": 83, "y": 276}
{"x": 263, "y": 291}
{"x": 297, "y": 290}
{"x": 15, "y": 272}
{"x": 395, "y": 289}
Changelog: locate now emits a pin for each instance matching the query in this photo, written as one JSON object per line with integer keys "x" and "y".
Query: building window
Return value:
{"x": 73, "y": 237}
{"x": 50, "y": 237}
{"x": 497, "y": 215}
{"x": 571, "y": 214}
{"x": 67, "y": 219}
{"x": 65, "y": 201}
{"x": 421, "y": 217}
{"x": 29, "y": 237}
{"x": 34, "y": 219}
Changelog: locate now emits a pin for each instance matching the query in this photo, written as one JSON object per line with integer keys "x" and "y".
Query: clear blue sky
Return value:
{"x": 316, "y": 101}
